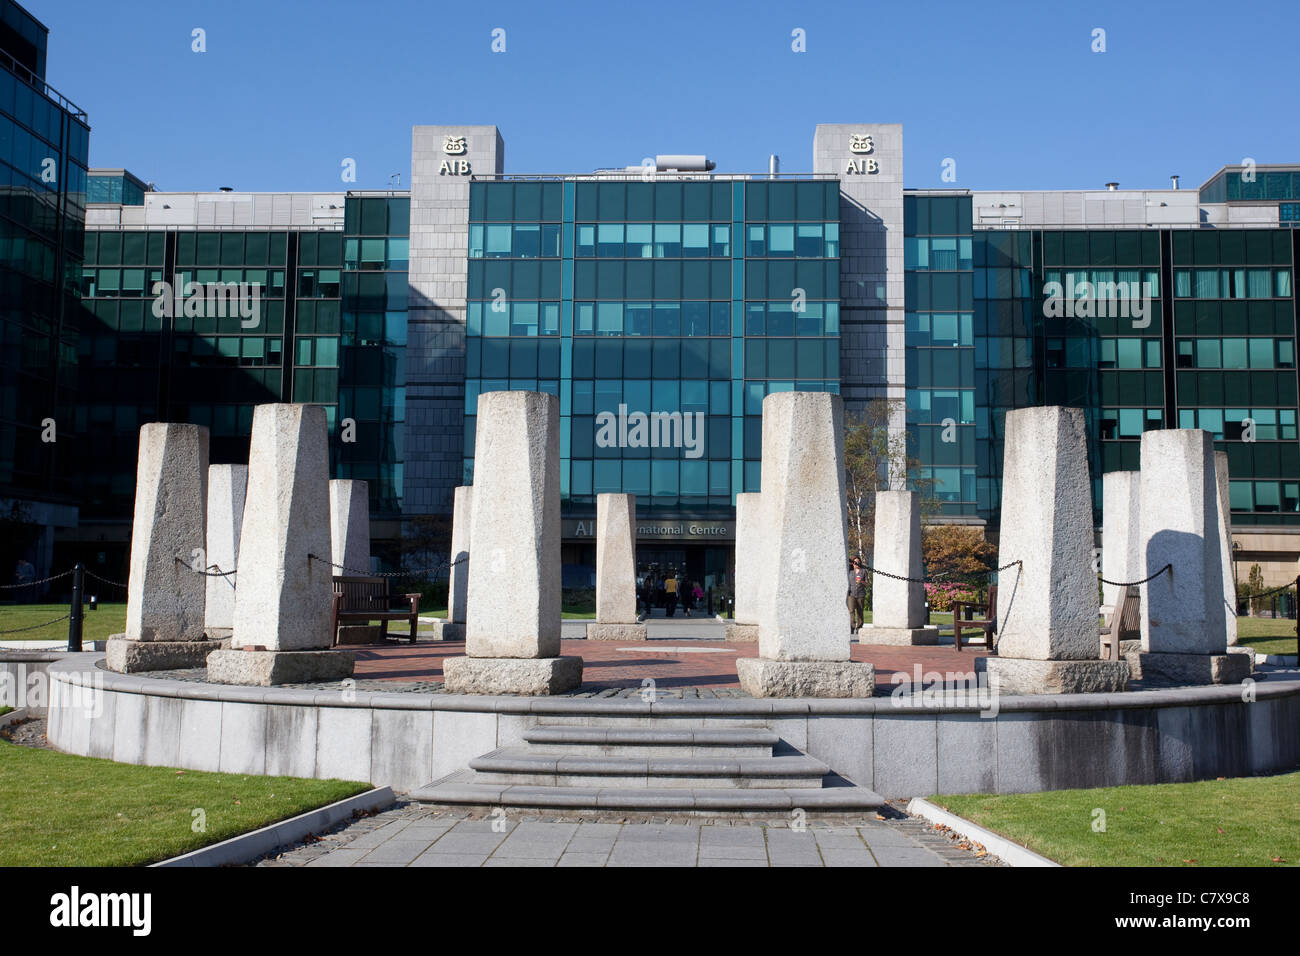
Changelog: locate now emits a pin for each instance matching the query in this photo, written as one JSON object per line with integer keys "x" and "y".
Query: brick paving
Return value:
{"x": 413, "y": 834}
{"x": 684, "y": 658}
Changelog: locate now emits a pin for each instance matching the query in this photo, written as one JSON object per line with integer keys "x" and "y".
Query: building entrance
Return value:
{"x": 677, "y": 579}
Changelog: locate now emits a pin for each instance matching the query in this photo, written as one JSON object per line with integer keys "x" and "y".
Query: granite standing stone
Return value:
{"x": 1225, "y": 546}
{"x": 1121, "y": 532}
{"x": 898, "y": 607}
{"x": 1184, "y": 616}
{"x": 616, "y": 617}
{"x": 803, "y": 618}
{"x": 227, "y": 486}
{"x": 283, "y": 601}
{"x": 1184, "y": 610}
{"x": 749, "y": 554}
{"x": 513, "y": 622}
{"x": 1048, "y": 637}
{"x": 350, "y": 526}
{"x": 453, "y": 627}
{"x": 165, "y": 598}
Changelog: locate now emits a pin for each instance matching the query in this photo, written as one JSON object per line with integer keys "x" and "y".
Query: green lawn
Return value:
{"x": 1247, "y": 821}
{"x": 61, "y": 810}
{"x": 108, "y": 619}
{"x": 1267, "y": 635}
{"x": 5, "y": 710}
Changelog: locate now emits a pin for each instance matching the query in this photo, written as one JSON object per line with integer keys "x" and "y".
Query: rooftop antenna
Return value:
{"x": 395, "y": 180}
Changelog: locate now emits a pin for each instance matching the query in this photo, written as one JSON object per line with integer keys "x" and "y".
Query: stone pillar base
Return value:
{"x": 764, "y": 678}
{"x": 269, "y": 668}
{"x": 444, "y": 630}
{"x": 597, "y": 631}
{"x": 870, "y": 634}
{"x": 132, "y": 657}
{"x": 1018, "y": 676}
{"x": 353, "y": 634}
{"x": 746, "y": 633}
{"x": 512, "y": 675}
{"x": 1162, "y": 668}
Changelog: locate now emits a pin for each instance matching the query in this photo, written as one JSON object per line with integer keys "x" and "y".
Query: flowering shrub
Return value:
{"x": 942, "y": 595}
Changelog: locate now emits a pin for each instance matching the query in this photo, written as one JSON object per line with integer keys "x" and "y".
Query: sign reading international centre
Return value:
{"x": 672, "y": 530}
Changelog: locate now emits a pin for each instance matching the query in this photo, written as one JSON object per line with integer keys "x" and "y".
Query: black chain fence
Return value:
{"x": 1130, "y": 584}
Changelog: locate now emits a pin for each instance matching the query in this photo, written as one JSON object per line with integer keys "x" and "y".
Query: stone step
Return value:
{"x": 522, "y": 766}
{"x": 646, "y": 721}
{"x": 456, "y": 790}
{"x": 650, "y": 742}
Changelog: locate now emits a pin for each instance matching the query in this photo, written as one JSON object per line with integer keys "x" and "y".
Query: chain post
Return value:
{"x": 75, "y": 612}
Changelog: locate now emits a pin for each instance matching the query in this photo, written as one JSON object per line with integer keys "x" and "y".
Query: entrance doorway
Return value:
{"x": 691, "y": 567}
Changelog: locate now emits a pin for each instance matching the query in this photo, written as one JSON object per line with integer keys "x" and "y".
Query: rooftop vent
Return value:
{"x": 227, "y": 189}
{"x": 684, "y": 164}
{"x": 1112, "y": 186}
{"x": 1173, "y": 182}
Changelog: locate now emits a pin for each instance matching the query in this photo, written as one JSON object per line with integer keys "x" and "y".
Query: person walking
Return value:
{"x": 857, "y": 593}
{"x": 670, "y": 594}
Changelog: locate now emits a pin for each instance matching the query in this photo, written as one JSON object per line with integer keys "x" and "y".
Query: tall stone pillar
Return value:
{"x": 227, "y": 486}
{"x": 513, "y": 623}
{"x": 1121, "y": 531}
{"x": 350, "y": 526}
{"x": 749, "y": 555}
{"x": 1225, "y": 546}
{"x": 898, "y": 607}
{"x": 616, "y": 618}
{"x": 1047, "y": 607}
{"x": 803, "y": 629}
{"x": 1184, "y": 623}
{"x": 453, "y": 628}
{"x": 165, "y": 596}
{"x": 282, "y": 605}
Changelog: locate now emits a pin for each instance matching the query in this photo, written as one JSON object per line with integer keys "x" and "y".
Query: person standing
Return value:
{"x": 670, "y": 594}
{"x": 857, "y": 593}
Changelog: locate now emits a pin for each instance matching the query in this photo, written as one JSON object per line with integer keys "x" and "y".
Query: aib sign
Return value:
{"x": 860, "y": 145}
{"x": 454, "y": 146}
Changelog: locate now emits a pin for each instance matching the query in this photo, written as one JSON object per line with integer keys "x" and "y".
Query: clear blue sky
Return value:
{"x": 1012, "y": 91}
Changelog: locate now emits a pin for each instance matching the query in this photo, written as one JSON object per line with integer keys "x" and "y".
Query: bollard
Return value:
{"x": 75, "y": 617}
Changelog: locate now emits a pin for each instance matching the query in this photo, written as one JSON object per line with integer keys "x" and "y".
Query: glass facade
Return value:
{"x": 115, "y": 188}
{"x": 1237, "y": 183}
{"x": 44, "y": 141}
{"x": 660, "y": 314}
{"x": 326, "y": 331}
{"x": 1142, "y": 329}
{"x": 372, "y": 345}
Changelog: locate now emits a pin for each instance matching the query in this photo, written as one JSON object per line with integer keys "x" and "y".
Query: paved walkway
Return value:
{"x": 411, "y": 834}
{"x": 679, "y": 654}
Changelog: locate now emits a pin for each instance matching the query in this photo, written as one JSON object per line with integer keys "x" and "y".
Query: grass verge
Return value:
{"x": 1244, "y": 821}
{"x": 61, "y": 810}
{"x": 1267, "y": 635}
{"x": 99, "y": 625}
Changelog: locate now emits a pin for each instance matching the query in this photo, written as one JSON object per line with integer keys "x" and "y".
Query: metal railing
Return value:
{"x": 40, "y": 86}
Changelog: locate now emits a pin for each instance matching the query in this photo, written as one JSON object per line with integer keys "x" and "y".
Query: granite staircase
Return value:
{"x": 614, "y": 763}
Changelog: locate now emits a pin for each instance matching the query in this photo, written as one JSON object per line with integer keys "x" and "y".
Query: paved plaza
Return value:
{"x": 410, "y": 834}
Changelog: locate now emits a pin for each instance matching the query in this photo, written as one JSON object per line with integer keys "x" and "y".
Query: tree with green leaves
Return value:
{"x": 876, "y": 459}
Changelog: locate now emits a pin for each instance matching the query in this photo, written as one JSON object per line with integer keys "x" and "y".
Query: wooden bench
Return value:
{"x": 360, "y": 600}
{"x": 1129, "y": 621}
{"x": 987, "y": 622}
